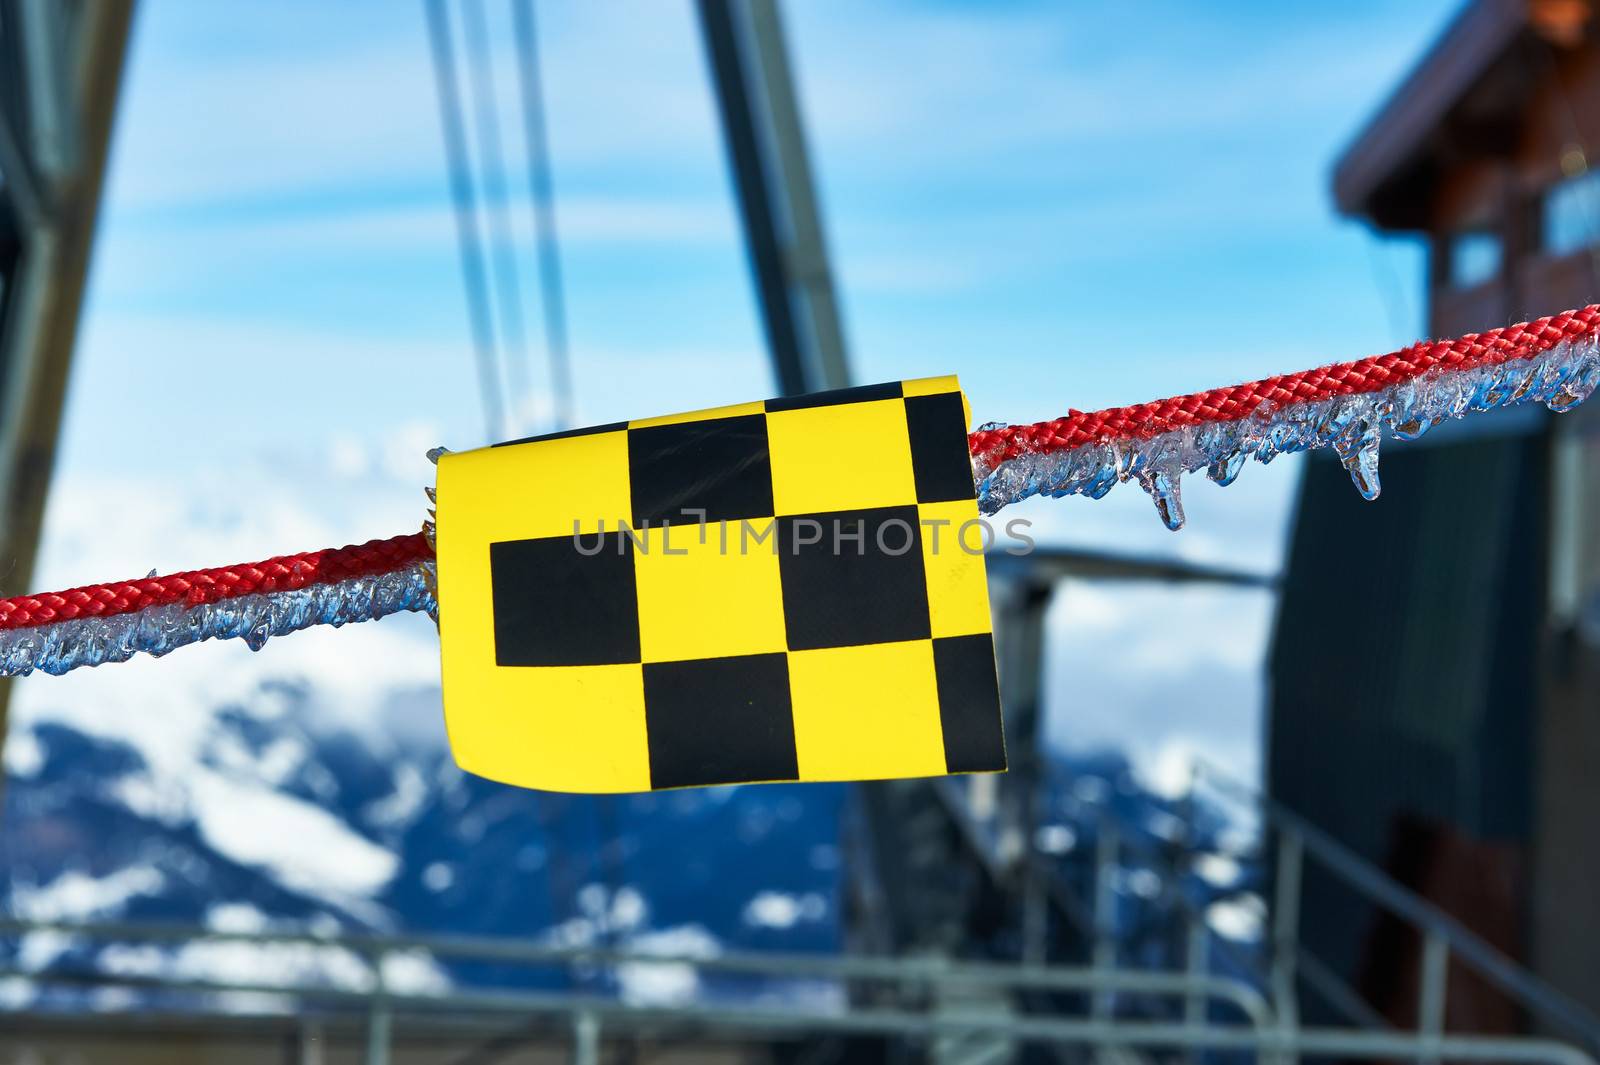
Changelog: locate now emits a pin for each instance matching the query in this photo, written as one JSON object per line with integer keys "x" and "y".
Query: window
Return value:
{"x": 1474, "y": 257}
{"x": 1571, "y": 219}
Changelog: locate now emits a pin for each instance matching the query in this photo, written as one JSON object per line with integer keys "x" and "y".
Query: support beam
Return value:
{"x": 55, "y": 235}
{"x": 777, "y": 202}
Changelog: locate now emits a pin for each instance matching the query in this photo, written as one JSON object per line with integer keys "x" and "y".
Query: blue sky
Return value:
{"x": 1068, "y": 205}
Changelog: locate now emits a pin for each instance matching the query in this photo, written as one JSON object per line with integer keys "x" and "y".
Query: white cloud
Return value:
{"x": 1164, "y": 673}
{"x": 360, "y": 109}
{"x": 427, "y": 229}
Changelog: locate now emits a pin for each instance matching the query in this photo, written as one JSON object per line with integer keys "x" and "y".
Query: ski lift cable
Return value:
{"x": 507, "y": 277}
{"x": 540, "y": 187}
{"x": 464, "y": 206}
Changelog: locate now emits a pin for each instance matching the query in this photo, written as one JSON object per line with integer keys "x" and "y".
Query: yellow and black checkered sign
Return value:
{"x": 788, "y": 590}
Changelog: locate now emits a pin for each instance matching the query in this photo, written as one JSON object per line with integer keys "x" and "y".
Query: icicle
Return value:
{"x": 1353, "y": 426}
{"x": 1358, "y": 454}
{"x": 1580, "y": 381}
{"x": 1100, "y": 473}
{"x": 1225, "y": 471}
{"x": 66, "y": 645}
{"x": 1166, "y": 491}
{"x": 1412, "y": 411}
{"x": 1222, "y": 448}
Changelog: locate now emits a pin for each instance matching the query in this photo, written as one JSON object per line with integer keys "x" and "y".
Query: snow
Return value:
{"x": 23, "y": 755}
{"x": 782, "y": 911}
{"x": 1055, "y": 839}
{"x": 399, "y": 808}
{"x": 1217, "y": 869}
{"x": 76, "y": 896}
{"x": 1238, "y": 918}
{"x": 665, "y": 983}
{"x": 303, "y": 846}
{"x": 438, "y": 876}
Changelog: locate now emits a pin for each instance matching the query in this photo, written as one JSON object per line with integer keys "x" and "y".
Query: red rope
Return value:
{"x": 1144, "y": 420}
{"x": 287, "y": 572}
{"x": 210, "y": 585}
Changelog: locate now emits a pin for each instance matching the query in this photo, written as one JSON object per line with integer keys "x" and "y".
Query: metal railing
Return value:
{"x": 589, "y": 1013}
{"x": 587, "y": 1016}
{"x": 1443, "y": 937}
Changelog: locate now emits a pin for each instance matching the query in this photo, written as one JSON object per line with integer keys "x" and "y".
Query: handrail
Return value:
{"x": 1500, "y": 970}
{"x": 1246, "y": 999}
{"x": 1319, "y": 1041}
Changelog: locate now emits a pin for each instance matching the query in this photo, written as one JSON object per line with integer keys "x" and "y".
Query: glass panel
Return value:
{"x": 1572, "y": 214}
{"x": 1474, "y": 258}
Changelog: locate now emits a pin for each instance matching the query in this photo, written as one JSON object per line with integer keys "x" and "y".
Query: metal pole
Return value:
{"x": 48, "y": 89}
{"x": 585, "y": 1039}
{"x": 1286, "y": 931}
{"x": 55, "y": 220}
{"x": 1197, "y": 946}
{"x": 1034, "y": 917}
{"x": 777, "y": 204}
{"x": 311, "y": 1039}
{"x": 1107, "y": 847}
{"x": 1198, "y": 957}
{"x": 378, "y": 1016}
{"x": 1430, "y": 1004}
{"x": 807, "y": 258}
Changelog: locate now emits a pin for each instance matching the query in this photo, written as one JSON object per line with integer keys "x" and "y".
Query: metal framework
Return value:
{"x": 390, "y": 1015}
{"x": 60, "y": 74}
{"x": 760, "y": 115}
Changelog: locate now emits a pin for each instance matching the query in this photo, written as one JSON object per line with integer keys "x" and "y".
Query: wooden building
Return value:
{"x": 1436, "y": 667}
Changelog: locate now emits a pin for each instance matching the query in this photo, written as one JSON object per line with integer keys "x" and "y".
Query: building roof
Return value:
{"x": 1463, "y": 100}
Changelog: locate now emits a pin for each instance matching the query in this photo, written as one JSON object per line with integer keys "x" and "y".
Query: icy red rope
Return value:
{"x": 196, "y": 587}
{"x": 1348, "y": 407}
{"x": 1521, "y": 341}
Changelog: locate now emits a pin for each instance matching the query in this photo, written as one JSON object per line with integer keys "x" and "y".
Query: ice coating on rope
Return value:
{"x": 66, "y": 645}
{"x": 1353, "y": 426}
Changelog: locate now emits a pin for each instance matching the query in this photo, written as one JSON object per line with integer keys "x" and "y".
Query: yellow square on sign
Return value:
{"x": 720, "y": 596}
{"x": 866, "y": 711}
{"x": 587, "y": 646}
{"x": 807, "y": 474}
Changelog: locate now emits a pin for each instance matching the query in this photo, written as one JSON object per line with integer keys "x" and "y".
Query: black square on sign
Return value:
{"x": 719, "y": 721}
{"x": 556, "y": 604}
{"x": 566, "y": 434}
{"x": 939, "y": 456}
{"x": 841, "y": 589}
{"x": 969, "y": 704}
{"x": 858, "y": 394}
{"x": 719, "y": 466}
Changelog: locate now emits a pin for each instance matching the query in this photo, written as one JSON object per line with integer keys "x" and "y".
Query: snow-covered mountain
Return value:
{"x": 280, "y": 819}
